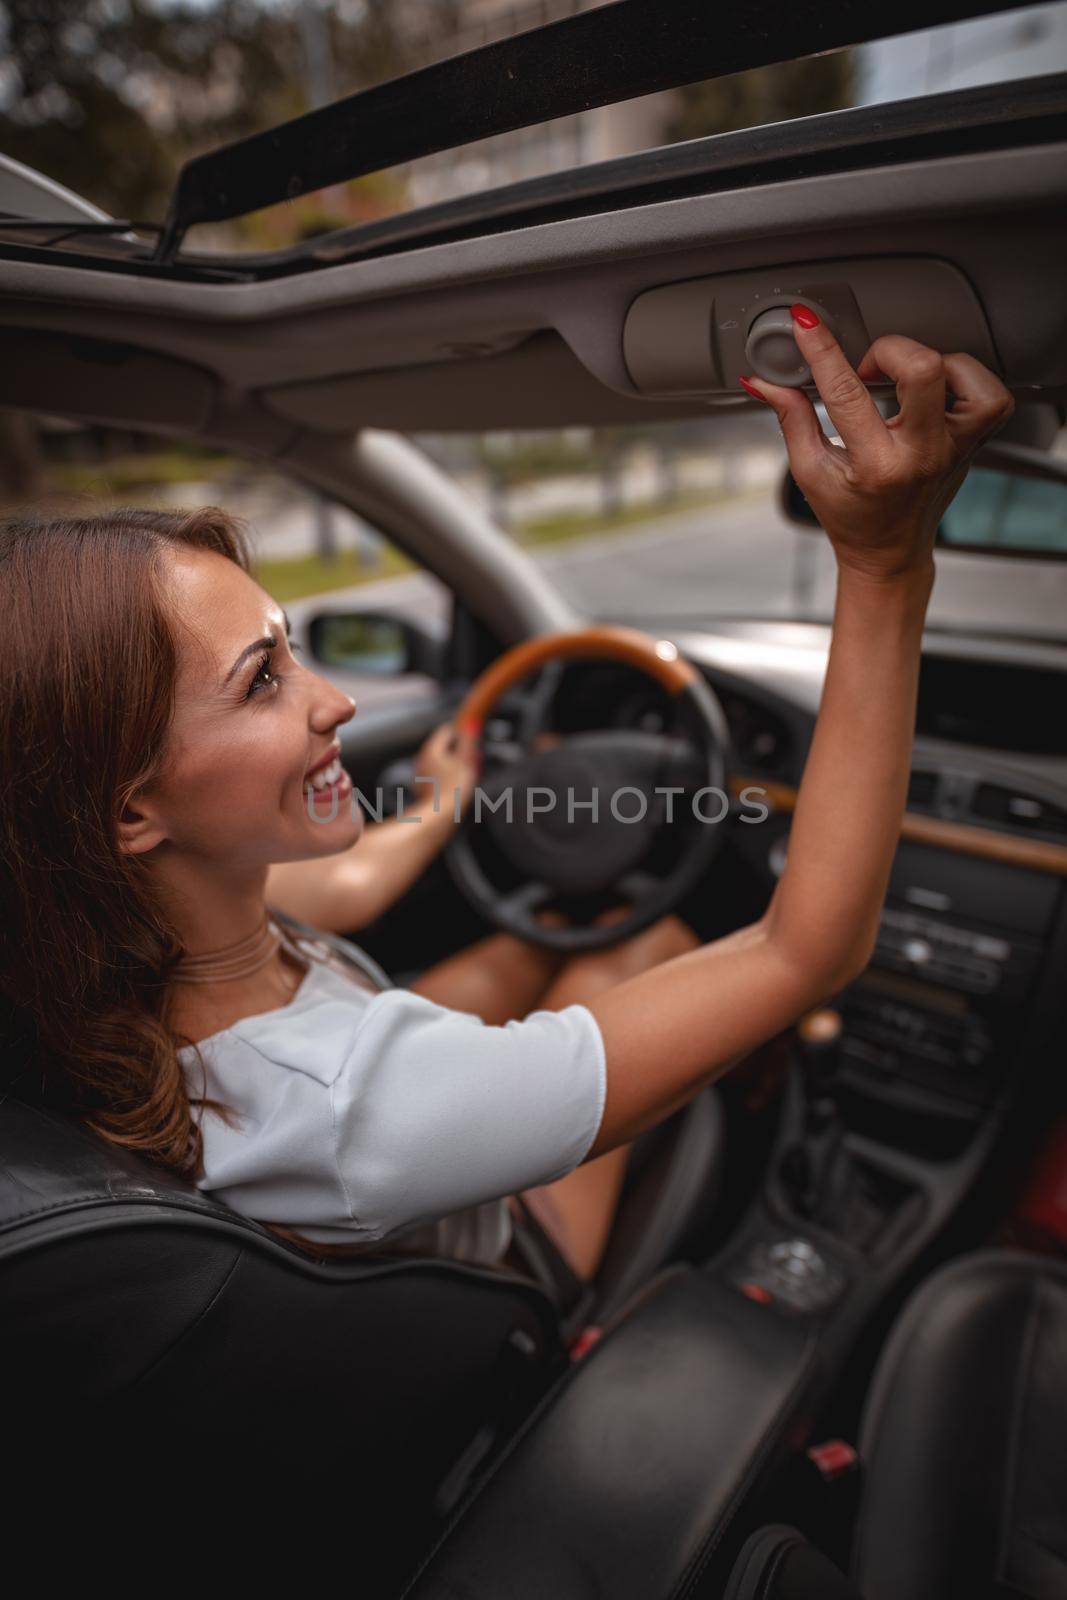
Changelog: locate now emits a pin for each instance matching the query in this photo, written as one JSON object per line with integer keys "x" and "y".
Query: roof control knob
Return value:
{"x": 771, "y": 350}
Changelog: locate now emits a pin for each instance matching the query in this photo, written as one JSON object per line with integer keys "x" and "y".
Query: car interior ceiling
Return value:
{"x": 795, "y": 1264}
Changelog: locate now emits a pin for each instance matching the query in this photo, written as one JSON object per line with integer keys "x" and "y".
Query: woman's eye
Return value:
{"x": 265, "y": 678}
{"x": 266, "y": 675}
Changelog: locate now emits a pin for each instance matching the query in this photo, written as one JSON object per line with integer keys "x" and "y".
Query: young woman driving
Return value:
{"x": 159, "y": 740}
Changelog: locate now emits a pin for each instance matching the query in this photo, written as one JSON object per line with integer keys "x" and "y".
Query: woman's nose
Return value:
{"x": 345, "y": 709}
{"x": 332, "y": 707}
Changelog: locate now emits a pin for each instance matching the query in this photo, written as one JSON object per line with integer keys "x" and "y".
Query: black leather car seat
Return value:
{"x": 145, "y": 1327}
{"x": 148, "y": 1329}
{"x": 156, "y": 1322}
{"x": 964, "y": 1442}
{"x": 965, "y": 1436}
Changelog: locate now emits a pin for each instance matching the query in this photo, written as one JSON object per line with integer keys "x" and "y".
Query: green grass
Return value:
{"x": 129, "y": 476}
{"x": 298, "y": 576}
{"x": 560, "y": 529}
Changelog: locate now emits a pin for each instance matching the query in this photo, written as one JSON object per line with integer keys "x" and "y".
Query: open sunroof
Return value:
{"x": 597, "y": 57}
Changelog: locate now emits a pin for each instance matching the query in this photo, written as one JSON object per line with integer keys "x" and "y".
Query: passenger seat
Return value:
{"x": 964, "y": 1442}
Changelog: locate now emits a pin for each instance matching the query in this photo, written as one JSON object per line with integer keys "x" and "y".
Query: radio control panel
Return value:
{"x": 942, "y": 952}
{"x": 933, "y": 1008}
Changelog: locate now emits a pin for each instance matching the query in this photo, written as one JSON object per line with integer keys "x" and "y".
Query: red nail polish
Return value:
{"x": 751, "y": 389}
{"x": 804, "y": 315}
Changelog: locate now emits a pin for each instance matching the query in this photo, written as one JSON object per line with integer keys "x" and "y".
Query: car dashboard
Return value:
{"x": 973, "y": 923}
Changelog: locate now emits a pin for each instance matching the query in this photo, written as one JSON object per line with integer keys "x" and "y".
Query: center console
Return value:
{"x": 899, "y": 1091}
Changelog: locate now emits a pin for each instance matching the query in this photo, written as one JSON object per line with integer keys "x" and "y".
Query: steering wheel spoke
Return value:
{"x": 524, "y": 707}
{"x": 525, "y": 901}
{"x": 502, "y": 752}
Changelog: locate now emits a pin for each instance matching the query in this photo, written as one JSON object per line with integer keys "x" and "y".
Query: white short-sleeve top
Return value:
{"x": 363, "y": 1116}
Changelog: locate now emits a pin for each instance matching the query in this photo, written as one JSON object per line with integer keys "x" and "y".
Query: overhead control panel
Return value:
{"x": 700, "y": 335}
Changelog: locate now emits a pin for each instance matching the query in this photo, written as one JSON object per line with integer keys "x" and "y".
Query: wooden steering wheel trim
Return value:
{"x": 628, "y": 645}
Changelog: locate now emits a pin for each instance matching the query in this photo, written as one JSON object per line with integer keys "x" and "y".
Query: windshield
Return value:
{"x": 683, "y": 522}
{"x": 679, "y": 523}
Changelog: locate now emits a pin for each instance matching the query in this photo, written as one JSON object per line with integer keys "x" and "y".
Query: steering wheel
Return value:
{"x": 587, "y": 810}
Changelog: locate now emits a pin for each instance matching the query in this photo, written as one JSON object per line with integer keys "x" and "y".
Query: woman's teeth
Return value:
{"x": 325, "y": 777}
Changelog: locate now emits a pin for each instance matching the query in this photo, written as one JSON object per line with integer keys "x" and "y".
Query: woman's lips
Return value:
{"x": 332, "y": 754}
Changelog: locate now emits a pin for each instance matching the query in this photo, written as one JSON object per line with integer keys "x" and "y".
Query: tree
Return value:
{"x": 111, "y": 96}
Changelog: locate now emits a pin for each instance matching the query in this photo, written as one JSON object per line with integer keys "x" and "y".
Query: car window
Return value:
{"x": 303, "y": 545}
{"x": 683, "y": 521}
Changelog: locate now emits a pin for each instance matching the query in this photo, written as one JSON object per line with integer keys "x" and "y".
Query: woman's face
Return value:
{"x": 250, "y": 724}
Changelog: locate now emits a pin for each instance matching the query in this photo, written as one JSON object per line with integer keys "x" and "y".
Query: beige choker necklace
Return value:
{"x": 238, "y": 960}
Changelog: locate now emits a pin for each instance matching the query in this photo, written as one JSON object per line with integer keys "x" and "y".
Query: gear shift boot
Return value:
{"x": 825, "y": 1183}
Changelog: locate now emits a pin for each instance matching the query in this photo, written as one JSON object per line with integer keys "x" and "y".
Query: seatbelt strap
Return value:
{"x": 572, "y": 1295}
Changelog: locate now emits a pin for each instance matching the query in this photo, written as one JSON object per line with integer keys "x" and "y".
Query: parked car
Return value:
{"x": 811, "y": 1278}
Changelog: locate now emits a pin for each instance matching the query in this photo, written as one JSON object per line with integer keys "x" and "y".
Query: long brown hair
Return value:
{"x": 88, "y": 662}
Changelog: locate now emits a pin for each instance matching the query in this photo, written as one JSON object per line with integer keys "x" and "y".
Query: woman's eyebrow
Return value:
{"x": 268, "y": 642}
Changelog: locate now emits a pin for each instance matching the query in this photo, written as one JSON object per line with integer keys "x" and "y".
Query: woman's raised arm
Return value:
{"x": 879, "y": 494}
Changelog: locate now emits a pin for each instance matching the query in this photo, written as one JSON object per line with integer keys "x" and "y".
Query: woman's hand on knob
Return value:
{"x": 880, "y": 492}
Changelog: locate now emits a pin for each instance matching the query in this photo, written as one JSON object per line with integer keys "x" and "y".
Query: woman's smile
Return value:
{"x": 325, "y": 792}
{"x": 328, "y": 778}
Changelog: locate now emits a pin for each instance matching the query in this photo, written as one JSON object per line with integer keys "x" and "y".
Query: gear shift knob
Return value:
{"x": 807, "y": 1165}
{"x": 819, "y": 1036}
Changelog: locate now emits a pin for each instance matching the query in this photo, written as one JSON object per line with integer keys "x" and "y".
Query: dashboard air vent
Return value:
{"x": 1023, "y": 813}
{"x": 922, "y": 791}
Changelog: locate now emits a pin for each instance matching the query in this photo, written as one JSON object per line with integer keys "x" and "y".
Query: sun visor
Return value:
{"x": 98, "y": 380}
{"x": 545, "y": 385}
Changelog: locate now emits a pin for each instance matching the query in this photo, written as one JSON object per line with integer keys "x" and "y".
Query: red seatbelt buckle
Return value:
{"x": 834, "y": 1459}
{"x": 583, "y": 1342}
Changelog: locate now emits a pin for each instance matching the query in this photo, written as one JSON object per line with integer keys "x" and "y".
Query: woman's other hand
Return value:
{"x": 350, "y": 890}
{"x": 881, "y": 492}
{"x": 450, "y": 759}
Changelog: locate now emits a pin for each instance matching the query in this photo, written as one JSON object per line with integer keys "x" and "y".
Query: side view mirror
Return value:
{"x": 373, "y": 644}
{"x": 1013, "y": 502}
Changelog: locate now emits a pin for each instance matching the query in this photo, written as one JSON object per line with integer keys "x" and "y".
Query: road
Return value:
{"x": 744, "y": 558}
